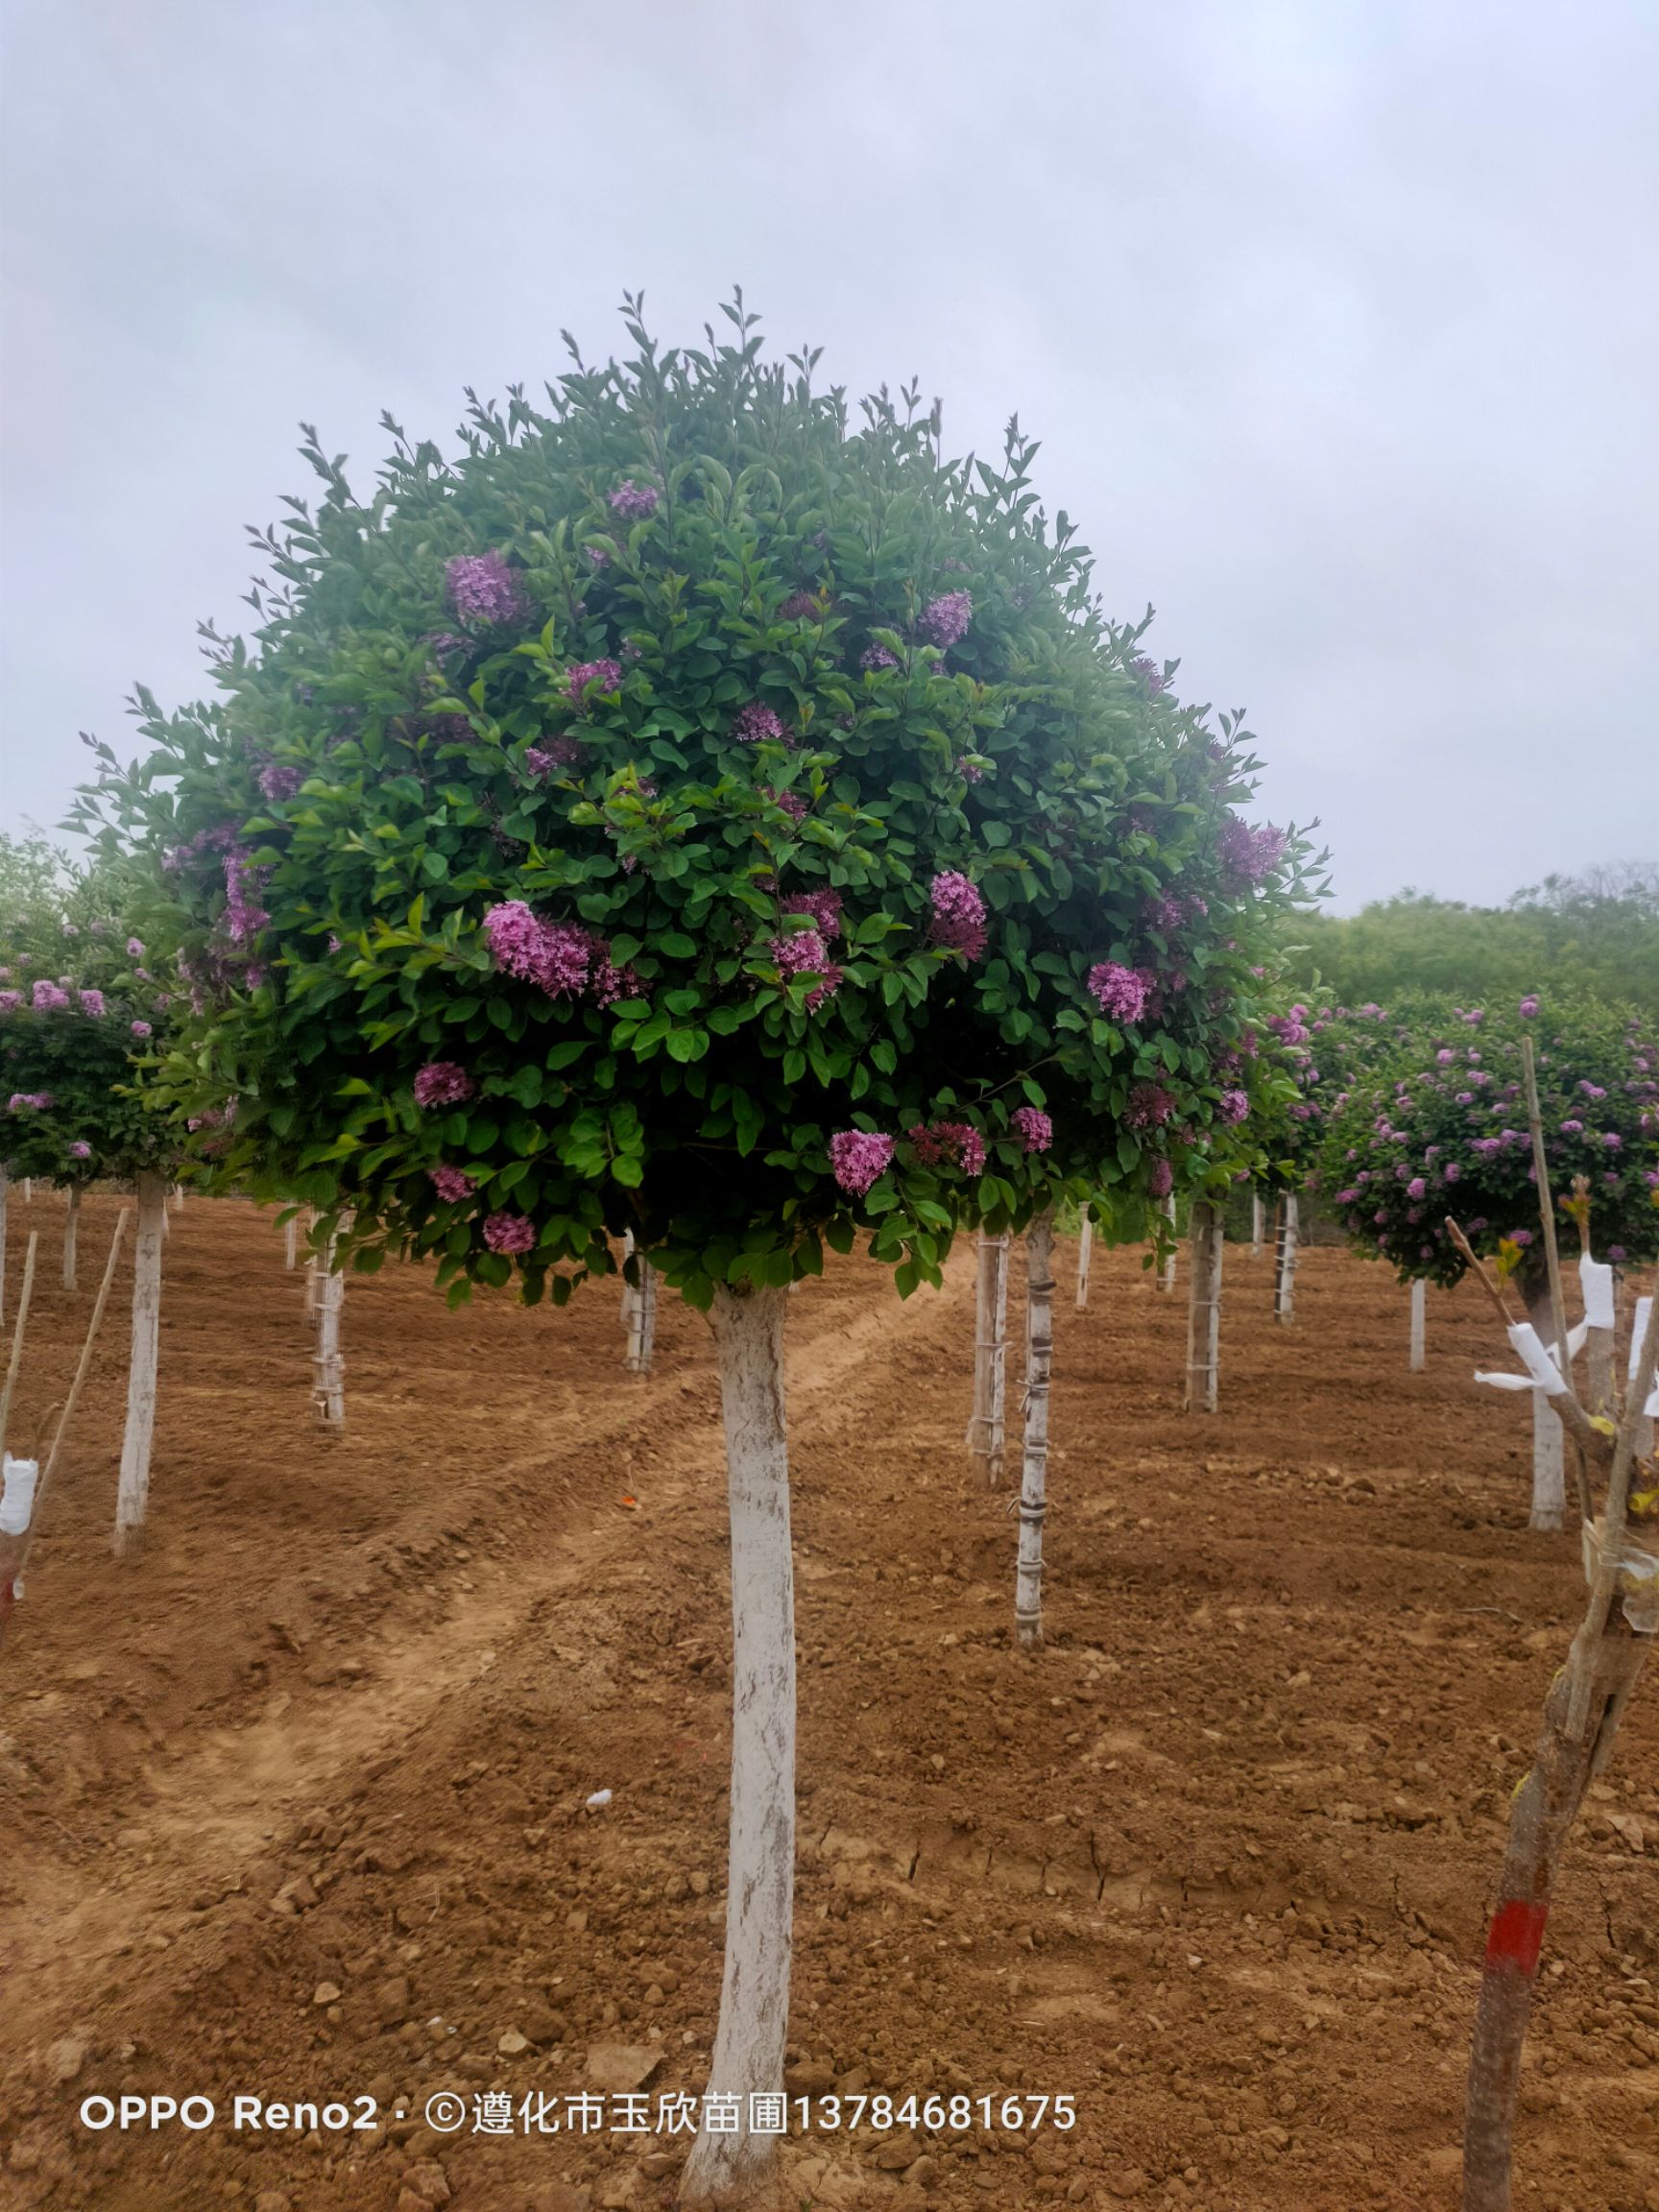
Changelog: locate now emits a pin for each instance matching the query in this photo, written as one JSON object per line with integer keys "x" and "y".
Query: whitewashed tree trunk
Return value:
{"x": 71, "y": 1226}
{"x": 1166, "y": 1273}
{"x": 642, "y": 1321}
{"x": 132, "y": 1486}
{"x": 313, "y": 1268}
{"x": 988, "y": 1428}
{"x": 1548, "y": 1438}
{"x": 1085, "y": 1248}
{"x": 1034, "y": 1467}
{"x": 328, "y": 1366}
{"x": 1419, "y": 1324}
{"x": 5, "y": 1193}
{"x": 1204, "y": 1312}
{"x": 749, "y": 2043}
{"x": 291, "y": 1241}
{"x": 1256, "y": 1224}
{"x": 28, "y": 1189}
{"x": 178, "y": 1198}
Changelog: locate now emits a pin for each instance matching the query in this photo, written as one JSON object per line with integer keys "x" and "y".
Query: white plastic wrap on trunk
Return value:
{"x": 1034, "y": 1469}
{"x": 17, "y": 1495}
{"x": 987, "y": 1423}
{"x": 1285, "y": 1260}
{"x": 1596, "y": 1285}
{"x": 291, "y": 1241}
{"x": 133, "y": 1488}
{"x": 733, "y": 2168}
{"x": 328, "y": 1365}
{"x": 641, "y": 1320}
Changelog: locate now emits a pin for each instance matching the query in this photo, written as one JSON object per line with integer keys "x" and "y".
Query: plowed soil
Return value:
{"x": 294, "y": 1804}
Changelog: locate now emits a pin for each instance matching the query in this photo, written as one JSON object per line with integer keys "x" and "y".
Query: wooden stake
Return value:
{"x": 1551, "y": 1250}
{"x": 1419, "y": 1323}
{"x": 987, "y": 1425}
{"x": 133, "y": 1488}
{"x": 14, "y": 1551}
{"x": 18, "y": 1328}
{"x": 5, "y": 1192}
{"x": 1256, "y": 1224}
{"x": 1085, "y": 1247}
{"x": 1166, "y": 1273}
{"x": 71, "y": 1223}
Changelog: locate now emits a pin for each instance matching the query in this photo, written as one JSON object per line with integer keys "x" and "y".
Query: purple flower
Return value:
{"x": 1571, "y": 1128}
{"x": 879, "y": 657}
{"x": 792, "y": 802}
{"x": 556, "y": 753}
{"x": 1613, "y": 1140}
{"x": 799, "y": 952}
{"x": 825, "y": 907}
{"x": 1232, "y": 1107}
{"x": 632, "y": 501}
{"x": 1150, "y": 1106}
{"x": 1453, "y": 1173}
{"x": 1417, "y": 1188}
{"x": 1033, "y": 1127}
{"x": 135, "y": 948}
{"x": 92, "y": 1002}
{"x": 1617, "y": 1252}
{"x": 595, "y": 676}
{"x": 509, "y": 1233}
{"x": 451, "y": 1185}
{"x": 483, "y": 588}
{"x": 1150, "y": 674}
{"x": 47, "y": 998}
{"x": 945, "y": 619}
{"x": 858, "y": 1156}
{"x": 800, "y": 607}
{"x": 555, "y": 956}
{"x": 1528, "y": 1006}
{"x": 29, "y": 1101}
{"x": 140, "y": 1029}
{"x": 1249, "y": 854}
{"x": 442, "y": 1083}
{"x": 10, "y": 1001}
{"x": 278, "y": 782}
{"x": 757, "y": 725}
{"x": 608, "y": 982}
{"x": 1120, "y": 993}
{"x": 948, "y": 1144}
{"x": 957, "y": 918}
{"x": 1161, "y": 1179}
{"x": 79, "y": 1149}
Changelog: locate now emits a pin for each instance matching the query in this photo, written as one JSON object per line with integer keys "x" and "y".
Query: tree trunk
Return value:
{"x": 641, "y": 1320}
{"x": 1285, "y": 1260}
{"x": 1085, "y": 1248}
{"x": 291, "y": 1241}
{"x": 729, "y": 2169}
{"x": 5, "y": 1191}
{"x": 1034, "y": 1469}
{"x": 1419, "y": 1324}
{"x": 1543, "y": 1813}
{"x": 987, "y": 1431}
{"x": 133, "y": 1488}
{"x": 328, "y": 1368}
{"x": 1599, "y": 1286}
{"x": 1166, "y": 1273}
{"x": 71, "y": 1224}
{"x": 1256, "y": 1224}
{"x": 1204, "y": 1312}
{"x": 1548, "y": 1441}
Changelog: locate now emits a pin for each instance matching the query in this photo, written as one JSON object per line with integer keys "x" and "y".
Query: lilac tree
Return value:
{"x": 697, "y": 812}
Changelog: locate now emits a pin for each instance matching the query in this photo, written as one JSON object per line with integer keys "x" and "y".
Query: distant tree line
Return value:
{"x": 1595, "y": 933}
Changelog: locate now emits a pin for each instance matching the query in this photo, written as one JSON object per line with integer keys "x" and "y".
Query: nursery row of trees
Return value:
{"x": 694, "y": 827}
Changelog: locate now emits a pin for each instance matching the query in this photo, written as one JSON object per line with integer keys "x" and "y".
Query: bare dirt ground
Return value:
{"x": 294, "y": 1804}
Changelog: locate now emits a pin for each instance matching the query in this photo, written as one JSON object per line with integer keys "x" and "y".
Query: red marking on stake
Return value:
{"x": 1516, "y": 1935}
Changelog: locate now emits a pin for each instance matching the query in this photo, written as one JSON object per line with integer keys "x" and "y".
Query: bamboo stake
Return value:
{"x": 986, "y": 1438}
{"x": 1419, "y": 1323}
{"x": 290, "y": 1241}
{"x": 5, "y": 1192}
{"x": 1257, "y": 1211}
{"x": 1552, "y": 1251}
{"x": 71, "y": 1224}
{"x": 15, "y": 1552}
{"x": 1166, "y": 1273}
{"x": 1085, "y": 1248}
{"x": 18, "y": 1327}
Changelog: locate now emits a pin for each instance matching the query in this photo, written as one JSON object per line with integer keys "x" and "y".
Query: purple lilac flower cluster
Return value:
{"x": 956, "y": 915}
{"x": 858, "y": 1158}
{"x": 954, "y": 1145}
{"x": 483, "y": 588}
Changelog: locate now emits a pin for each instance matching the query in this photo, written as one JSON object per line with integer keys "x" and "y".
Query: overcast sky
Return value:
{"x": 1337, "y": 321}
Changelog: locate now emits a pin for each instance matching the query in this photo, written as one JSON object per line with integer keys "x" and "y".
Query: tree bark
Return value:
{"x": 1085, "y": 1249}
{"x": 328, "y": 1366}
{"x": 1204, "y": 1312}
{"x": 727, "y": 2170}
{"x": 1285, "y": 1260}
{"x": 1034, "y": 1467}
{"x": 132, "y": 1486}
{"x": 987, "y": 1429}
{"x": 1166, "y": 1273}
{"x": 1419, "y": 1324}
{"x": 1256, "y": 1224}
{"x": 1548, "y": 1439}
{"x": 5, "y": 1191}
{"x": 641, "y": 1320}
{"x": 71, "y": 1225}
{"x": 291, "y": 1241}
